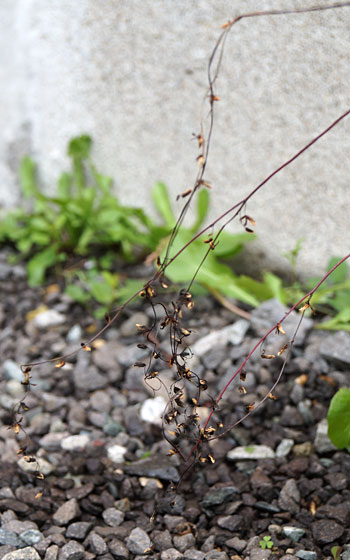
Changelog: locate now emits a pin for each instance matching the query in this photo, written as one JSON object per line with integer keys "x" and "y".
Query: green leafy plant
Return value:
{"x": 339, "y": 419}
{"x": 266, "y": 542}
{"x": 336, "y": 551}
{"x": 82, "y": 219}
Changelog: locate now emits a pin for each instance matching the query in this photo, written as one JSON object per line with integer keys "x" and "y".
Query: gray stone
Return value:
{"x": 97, "y": 544}
{"x": 270, "y": 313}
{"x": 88, "y": 378}
{"x": 113, "y": 517}
{"x": 118, "y": 549}
{"x": 112, "y": 428}
{"x": 251, "y": 452}
{"x": 162, "y": 468}
{"x": 289, "y": 497}
{"x": 306, "y": 555}
{"x": 138, "y": 542}
{"x": 18, "y": 526}
{"x": 171, "y": 554}
{"x": 230, "y": 522}
{"x": 216, "y": 555}
{"x": 101, "y": 401}
{"x": 326, "y": 531}
{"x": 116, "y": 453}
{"x": 183, "y": 542}
{"x": 152, "y": 410}
{"x": 237, "y": 544}
{"x": 192, "y": 554}
{"x": 304, "y": 408}
{"x": 52, "y": 552}
{"x": 75, "y": 443}
{"x": 52, "y": 441}
{"x": 66, "y": 512}
{"x": 293, "y": 533}
{"x": 284, "y": 447}
{"x": 48, "y": 318}
{"x": 74, "y": 334}
{"x": 336, "y": 348}
{"x": 216, "y": 496}
{"x": 72, "y": 550}
{"x": 11, "y": 370}
{"x": 129, "y": 328}
{"x": 322, "y": 442}
{"x": 260, "y": 554}
{"x": 346, "y": 552}
{"x": 31, "y": 536}
{"x": 162, "y": 540}
{"x": 78, "y": 530}
{"x": 10, "y": 538}
{"x": 233, "y": 334}
{"x": 27, "y": 553}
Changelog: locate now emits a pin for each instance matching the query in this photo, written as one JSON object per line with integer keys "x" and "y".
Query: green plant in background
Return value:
{"x": 339, "y": 419}
{"x": 266, "y": 542}
{"x": 336, "y": 551}
{"x": 82, "y": 219}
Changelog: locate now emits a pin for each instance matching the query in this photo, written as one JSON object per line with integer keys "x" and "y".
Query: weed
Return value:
{"x": 336, "y": 552}
{"x": 266, "y": 542}
{"x": 339, "y": 419}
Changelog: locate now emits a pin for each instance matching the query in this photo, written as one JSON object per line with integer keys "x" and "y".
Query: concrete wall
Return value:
{"x": 133, "y": 73}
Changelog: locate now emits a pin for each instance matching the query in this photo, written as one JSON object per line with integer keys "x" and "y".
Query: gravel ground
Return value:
{"x": 94, "y": 427}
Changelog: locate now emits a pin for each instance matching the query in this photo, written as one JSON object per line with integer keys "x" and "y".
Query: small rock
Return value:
{"x": 161, "y": 468}
{"x": 74, "y": 334}
{"x": 183, "y": 542}
{"x": 306, "y": 555}
{"x": 251, "y": 452}
{"x": 338, "y": 481}
{"x": 138, "y": 541}
{"x": 10, "y": 538}
{"x": 31, "y": 536}
{"x": 289, "y": 497}
{"x": 116, "y": 453}
{"x": 171, "y": 554}
{"x": 101, "y": 401}
{"x": 66, "y": 512}
{"x": 40, "y": 465}
{"x": 97, "y": 544}
{"x": 192, "y": 554}
{"x": 152, "y": 410}
{"x": 11, "y": 371}
{"x": 52, "y": 441}
{"x": 88, "y": 378}
{"x": 233, "y": 334}
{"x": 326, "y": 531}
{"x": 78, "y": 530}
{"x": 293, "y": 533}
{"x": 162, "y": 540}
{"x": 112, "y": 428}
{"x": 113, "y": 517}
{"x": 218, "y": 495}
{"x": 336, "y": 348}
{"x": 237, "y": 544}
{"x": 216, "y": 555}
{"x": 284, "y": 447}
{"x": 118, "y": 549}
{"x": 71, "y": 551}
{"x": 75, "y": 443}
{"x": 322, "y": 442}
{"x": 230, "y": 522}
{"x": 129, "y": 328}
{"x": 259, "y": 554}
{"x": 27, "y": 553}
{"x": 51, "y": 552}
{"x": 48, "y": 318}
{"x": 303, "y": 449}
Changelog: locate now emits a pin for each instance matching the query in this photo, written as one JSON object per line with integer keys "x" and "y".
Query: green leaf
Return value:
{"x": 229, "y": 244}
{"x": 64, "y": 186}
{"x": 212, "y": 273}
{"x": 340, "y": 322}
{"x": 339, "y": 274}
{"x": 27, "y": 178}
{"x": 203, "y": 199}
{"x": 162, "y": 203}
{"x": 38, "y": 265}
{"x": 275, "y": 285}
{"x": 77, "y": 293}
{"x": 80, "y": 147}
{"x": 339, "y": 419}
{"x": 101, "y": 292}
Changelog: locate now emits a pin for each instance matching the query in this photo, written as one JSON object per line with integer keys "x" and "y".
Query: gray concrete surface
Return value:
{"x": 133, "y": 74}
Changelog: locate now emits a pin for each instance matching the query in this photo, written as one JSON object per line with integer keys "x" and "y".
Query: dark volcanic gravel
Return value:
{"x": 93, "y": 425}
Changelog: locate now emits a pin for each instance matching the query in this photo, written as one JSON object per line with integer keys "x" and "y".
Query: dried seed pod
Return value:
{"x": 172, "y": 452}
{"x": 212, "y": 460}
{"x": 283, "y": 349}
{"x": 85, "y": 347}
{"x": 280, "y": 329}
{"x": 139, "y": 364}
{"x": 60, "y": 364}
{"x": 250, "y": 407}
{"x": 242, "y": 390}
{"x": 142, "y": 346}
{"x": 267, "y": 356}
{"x": 203, "y": 385}
{"x": 243, "y": 375}
{"x": 272, "y": 397}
